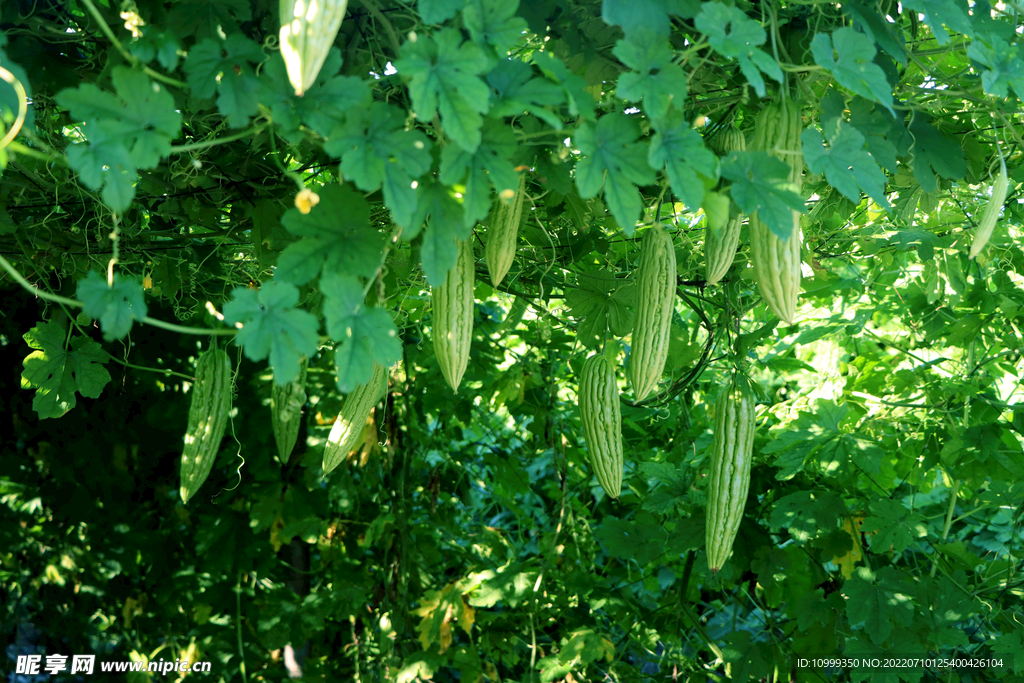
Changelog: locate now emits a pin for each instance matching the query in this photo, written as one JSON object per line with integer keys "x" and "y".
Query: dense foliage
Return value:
{"x": 162, "y": 183}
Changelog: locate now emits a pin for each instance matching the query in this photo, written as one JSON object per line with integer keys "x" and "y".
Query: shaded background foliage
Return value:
{"x": 466, "y": 538}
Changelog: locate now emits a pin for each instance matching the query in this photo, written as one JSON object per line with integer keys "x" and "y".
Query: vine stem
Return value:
{"x": 542, "y": 133}
{"x": 74, "y": 303}
{"x": 216, "y": 141}
{"x": 800, "y": 69}
{"x": 35, "y": 290}
{"x": 703, "y": 634}
{"x": 124, "y": 51}
{"x": 238, "y": 625}
{"x": 949, "y": 521}
{"x": 533, "y": 647}
{"x": 355, "y": 641}
{"x": 144, "y": 368}
{"x": 22, "y": 106}
{"x": 684, "y": 56}
{"x": 1009, "y": 127}
{"x": 22, "y": 150}
{"x": 392, "y": 35}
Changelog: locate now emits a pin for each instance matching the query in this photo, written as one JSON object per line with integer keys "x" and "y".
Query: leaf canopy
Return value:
{"x": 158, "y": 172}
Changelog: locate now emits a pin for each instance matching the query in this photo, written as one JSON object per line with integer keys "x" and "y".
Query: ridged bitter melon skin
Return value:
{"x": 453, "y": 317}
{"x": 776, "y": 261}
{"x": 656, "y": 280}
{"x": 729, "y": 476}
{"x": 722, "y": 232}
{"x": 348, "y": 426}
{"x": 286, "y": 413}
{"x": 500, "y": 251}
{"x": 308, "y": 30}
{"x": 602, "y": 422}
{"x": 207, "y": 420}
{"x": 989, "y": 217}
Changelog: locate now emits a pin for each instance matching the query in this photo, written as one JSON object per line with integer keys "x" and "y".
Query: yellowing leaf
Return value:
{"x": 445, "y": 636}
{"x": 275, "y": 533}
{"x": 467, "y": 616}
{"x": 424, "y": 631}
{"x": 609, "y": 649}
{"x": 132, "y": 608}
{"x": 846, "y": 562}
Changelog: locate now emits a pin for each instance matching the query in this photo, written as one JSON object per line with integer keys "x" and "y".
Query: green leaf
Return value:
{"x": 630, "y": 540}
{"x": 795, "y": 448}
{"x": 807, "y": 514}
{"x": 208, "y": 18}
{"x": 162, "y": 46}
{"x": 684, "y": 351}
{"x": 444, "y": 75}
{"x": 478, "y": 171}
{"x": 951, "y": 604}
{"x": 442, "y": 213}
{"x": 747, "y": 342}
{"x": 655, "y": 78}
{"x": 829, "y": 415}
{"x": 494, "y": 24}
{"x": 952, "y": 13}
{"x": 149, "y": 119}
{"x": 438, "y": 11}
{"x": 879, "y": 129}
{"x": 376, "y": 150}
{"x": 89, "y": 103}
{"x": 934, "y": 154}
{"x": 958, "y": 553}
{"x": 516, "y": 91}
{"x": 846, "y": 163}
{"x": 7, "y": 224}
{"x": 664, "y": 473}
{"x": 672, "y": 487}
{"x": 781, "y": 365}
{"x": 337, "y": 237}
{"x": 324, "y": 104}
{"x": 552, "y": 668}
{"x": 224, "y": 66}
{"x": 115, "y": 307}
{"x": 578, "y": 650}
{"x": 131, "y": 130}
{"x": 750, "y": 660}
{"x": 1011, "y": 644}
{"x": 924, "y": 241}
{"x": 680, "y": 150}
{"x": 814, "y": 608}
{"x": 364, "y": 335}
{"x": 898, "y": 527}
{"x": 57, "y": 373}
{"x": 105, "y": 162}
{"x": 905, "y": 642}
{"x": 615, "y": 160}
{"x": 878, "y": 603}
{"x": 105, "y": 154}
{"x": 652, "y": 15}
{"x": 510, "y": 586}
{"x": 142, "y": 115}
{"x": 878, "y": 29}
{"x": 759, "y": 184}
{"x": 854, "y": 67}
{"x": 581, "y": 102}
{"x": 735, "y": 35}
{"x": 1005, "y": 66}
{"x": 600, "y": 302}
{"x": 273, "y": 327}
